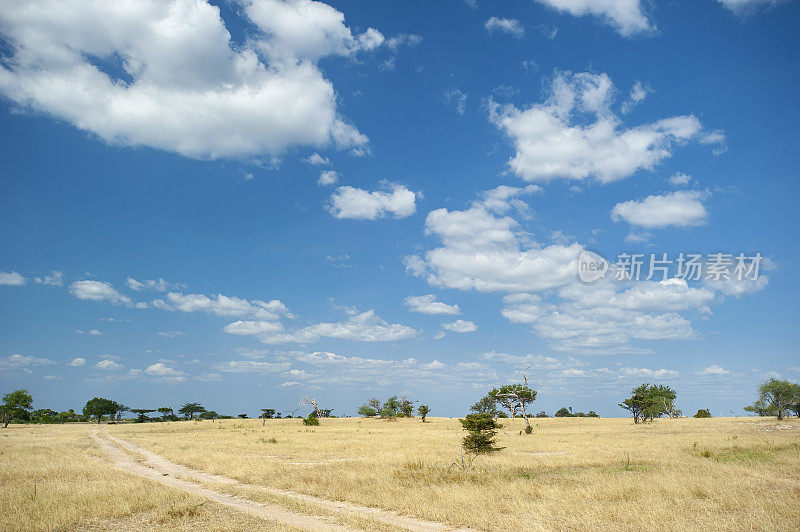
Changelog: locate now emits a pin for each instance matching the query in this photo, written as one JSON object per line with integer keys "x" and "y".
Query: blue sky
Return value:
{"x": 246, "y": 202}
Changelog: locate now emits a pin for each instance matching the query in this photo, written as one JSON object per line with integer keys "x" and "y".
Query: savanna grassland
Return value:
{"x": 571, "y": 473}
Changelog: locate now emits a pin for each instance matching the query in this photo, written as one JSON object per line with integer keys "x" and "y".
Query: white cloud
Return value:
{"x": 98, "y": 291}
{"x": 315, "y": 159}
{"x": 22, "y": 362}
{"x": 77, "y": 362}
{"x": 538, "y": 361}
{"x": 737, "y": 288}
{"x": 328, "y": 177}
{"x": 485, "y": 251}
{"x": 158, "y": 285}
{"x": 171, "y": 334}
{"x": 427, "y": 304}
{"x": 625, "y": 16}
{"x": 715, "y": 369}
{"x": 648, "y": 373}
{"x": 160, "y": 369}
{"x": 683, "y": 208}
{"x": 183, "y": 85}
{"x": 91, "y": 332}
{"x": 574, "y": 134}
{"x": 745, "y": 7}
{"x": 12, "y": 279}
{"x": 460, "y": 326}
{"x": 55, "y": 278}
{"x": 403, "y": 39}
{"x": 288, "y": 384}
{"x": 356, "y": 204}
{"x": 680, "y": 179}
{"x": 252, "y": 366}
{"x": 221, "y": 305}
{"x": 637, "y": 96}
{"x": 109, "y": 365}
{"x": 359, "y": 327}
{"x": 510, "y": 26}
{"x": 456, "y": 99}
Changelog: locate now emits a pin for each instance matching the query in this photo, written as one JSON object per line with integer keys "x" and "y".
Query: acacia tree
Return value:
{"x": 14, "y": 404}
{"x": 486, "y": 405}
{"x": 407, "y": 406}
{"x": 775, "y": 397}
{"x": 649, "y": 401}
{"x": 142, "y": 414}
{"x": 367, "y": 410}
{"x": 390, "y": 408}
{"x": 99, "y": 407}
{"x": 482, "y": 429}
{"x": 190, "y": 409}
{"x": 165, "y": 412}
{"x": 515, "y": 397}
{"x": 423, "y": 411}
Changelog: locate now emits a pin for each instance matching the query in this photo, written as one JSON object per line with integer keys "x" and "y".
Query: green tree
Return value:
{"x": 311, "y": 421}
{"x": 390, "y": 408}
{"x": 268, "y": 413}
{"x": 481, "y": 430}
{"x": 703, "y": 413}
{"x": 141, "y": 414}
{"x": 542, "y": 414}
{"x": 166, "y": 412}
{"x": 649, "y": 401}
{"x": 423, "y": 410}
{"x": 795, "y": 406}
{"x": 775, "y": 397}
{"x": 486, "y": 405}
{"x": 515, "y": 398}
{"x": 760, "y": 408}
{"x": 592, "y": 413}
{"x": 99, "y": 407}
{"x": 367, "y": 411}
{"x": 208, "y": 414}
{"x": 189, "y": 410}
{"x": 563, "y": 412}
{"x": 16, "y": 405}
{"x": 407, "y": 407}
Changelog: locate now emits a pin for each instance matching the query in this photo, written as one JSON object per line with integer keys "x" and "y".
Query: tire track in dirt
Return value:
{"x": 163, "y": 467}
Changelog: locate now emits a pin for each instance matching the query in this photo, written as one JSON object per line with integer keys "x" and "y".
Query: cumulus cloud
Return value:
{"x": 683, "y": 208}
{"x": 98, "y": 291}
{"x": 315, "y": 159}
{"x": 715, "y": 369}
{"x": 109, "y": 365}
{"x": 483, "y": 249}
{"x": 680, "y": 179}
{"x": 55, "y": 278}
{"x": 427, "y": 304}
{"x": 328, "y": 177}
{"x": 166, "y": 74}
{"x": 637, "y": 95}
{"x": 158, "y": 285}
{"x": 221, "y": 305}
{"x": 745, "y": 7}
{"x": 359, "y": 327}
{"x": 357, "y": 204}
{"x": 648, "y": 373}
{"x": 90, "y": 332}
{"x": 12, "y": 279}
{"x": 77, "y": 362}
{"x": 165, "y": 372}
{"x": 575, "y": 135}
{"x": 460, "y": 326}
{"x": 625, "y": 16}
{"x": 509, "y": 26}
{"x": 22, "y": 362}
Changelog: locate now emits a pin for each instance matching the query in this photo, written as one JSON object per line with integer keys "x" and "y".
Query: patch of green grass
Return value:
{"x": 753, "y": 454}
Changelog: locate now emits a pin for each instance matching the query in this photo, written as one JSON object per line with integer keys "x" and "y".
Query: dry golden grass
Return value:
{"x": 53, "y": 477}
{"x": 571, "y": 473}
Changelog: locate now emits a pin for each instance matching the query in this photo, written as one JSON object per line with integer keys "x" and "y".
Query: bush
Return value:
{"x": 311, "y": 420}
{"x": 703, "y": 413}
{"x": 482, "y": 429}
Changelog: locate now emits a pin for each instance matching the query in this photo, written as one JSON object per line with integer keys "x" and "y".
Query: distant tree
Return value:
{"x": 515, "y": 397}
{"x": 375, "y": 403}
{"x": 390, "y": 408}
{"x": 407, "y": 407}
{"x": 121, "y": 409}
{"x": 703, "y": 413}
{"x": 795, "y": 406}
{"x": 776, "y": 396}
{"x": 208, "y": 414}
{"x": 563, "y": 412}
{"x": 760, "y": 408}
{"x": 592, "y": 413}
{"x": 166, "y": 412}
{"x": 367, "y": 411}
{"x": 99, "y": 407}
{"x": 242, "y": 416}
{"x": 423, "y": 410}
{"x": 67, "y": 416}
{"x": 312, "y": 420}
{"x": 142, "y": 414}
{"x": 481, "y": 429}
{"x": 44, "y": 415}
{"x": 542, "y": 414}
{"x": 486, "y": 405}
{"x": 269, "y": 413}
{"x": 649, "y": 401}
{"x": 189, "y": 410}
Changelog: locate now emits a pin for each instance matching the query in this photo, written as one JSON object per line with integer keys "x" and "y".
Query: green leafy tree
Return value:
{"x": 269, "y": 413}
{"x": 703, "y": 413}
{"x": 16, "y": 405}
{"x": 189, "y": 410}
{"x": 423, "y": 411}
{"x": 649, "y": 401}
{"x": 515, "y": 398}
{"x": 99, "y": 407}
{"x": 166, "y": 412}
{"x": 390, "y": 408}
{"x": 312, "y": 420}
{"x": 486, "y": 405}
{"x": 592, "y": 413}
{"x": 563, "y": 412}
{"x": 367, "y": 411}
{"x": 795, "y": 406}
{"x": 407, "y": 407}
{"x": 542, "y": 414}
{"x": 67, "y": 416}
{"x": 208, "y": 414}
{"x": 481, "y": 431}
{"x": 141, "y": 414}
{"x": 775, "y": 397}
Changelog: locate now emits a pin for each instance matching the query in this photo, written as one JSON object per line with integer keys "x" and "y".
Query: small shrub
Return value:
{"x": 482, "y": 429}
{"x": 311, "y": 420}
{"x": 528, "y": 430}
{"x": 702, "y": 413}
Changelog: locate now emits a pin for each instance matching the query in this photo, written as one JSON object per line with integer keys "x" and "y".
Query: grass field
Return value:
{"x": 724, "y": 473}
